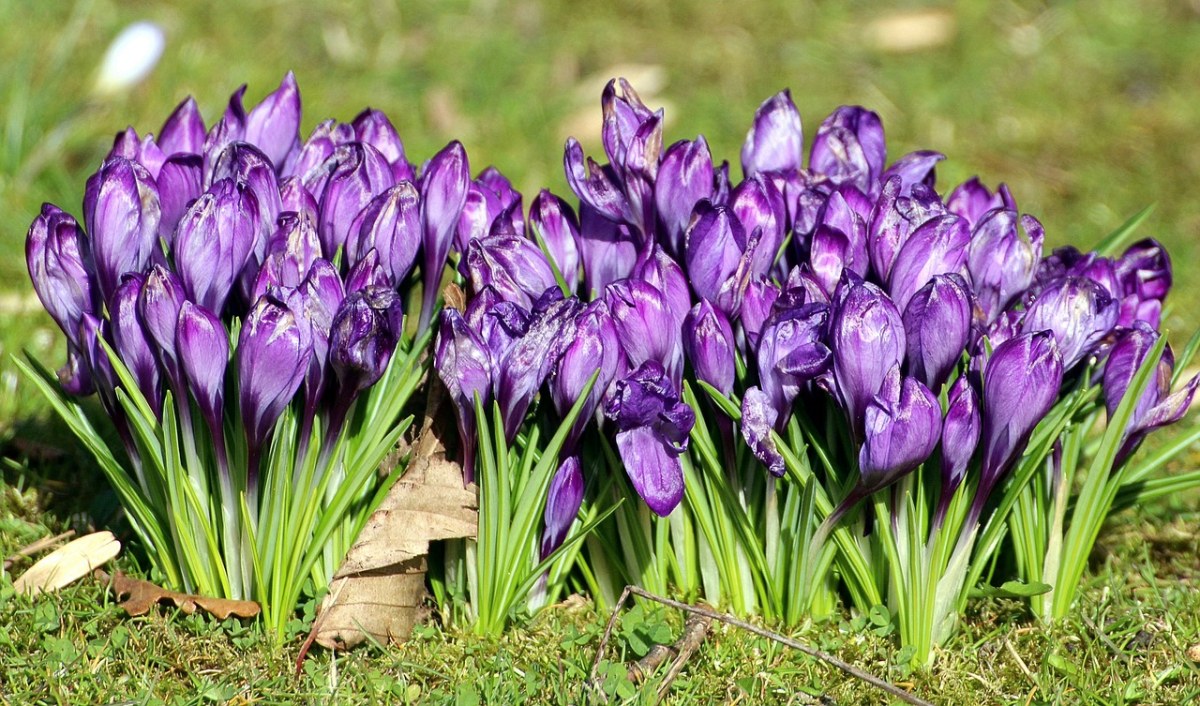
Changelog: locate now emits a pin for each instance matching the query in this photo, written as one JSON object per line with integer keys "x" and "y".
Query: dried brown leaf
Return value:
{"x": 69, "y": 563}
{"x": 380, "y": 587}
{"x": 138, "y": 597}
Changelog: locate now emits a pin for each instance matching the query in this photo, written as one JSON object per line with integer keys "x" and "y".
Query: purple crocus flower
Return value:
{"x": 792, "y": 350}
{"x": 367, "y": 272}
{"x": 273, "y": 354}
{"x": 1021, "y": 381}
{"x": 1078, "y": 311}
{"x": 960, "y": 437}
{"x": 644, "y": 325}
{"x": 938, "y": 246}
{"x": 390, "y": 223}
{"x": 554, "y": 220}
{"x": 60, "y": 266}
{"x": 1001, "y": 262}
{"x": 481, "y": 208}
{"x": 652, "y": 432}
{"x": 214, "y": 241}
{"x": 866, "y": 337}
{"x": 363, "y": 337}
{"x": 595, "y": 347}
{"x": 178, "y": 186}
{"x": 290, "y": 253}
{"x": 759, "y": 420}
{"x": 99, "y": 368}
{"x": 713, "y": 254}
{"x": 1158, "y": 406}
{"x": 563, "y": 500}
{"x": 901, "y": 428}
{"x": 466, "y": 369}
{"x": 971, "y": 200}
{"x": 131, "y": 342}
{"x": 295, "y": 197}
{"x": 514, "y": 266}
{"x": 893, "y": 219}
{"x": 608, "y": 250}
{"x": 660, "y": 270}
{"x": 229, "y": 129}
{"x": 708, "y": 344}
{"x": 915, "y": 169}
{"x": 159, "y": 302}
{"x": 937, "y": 328}
{"x": 373, "y": 128}
{"x": 597, "y": 187}
{"x": 757, "y": 305}
{"x": 775, "y": 142}
{"x": 142, "y": 150}
{"x": 530, "y": 359}
{"x": 1144, "y": 273}
{"x": 183, "y": 131}
{"x": 359, "y": 174}
{"x": 121, "y": 213}
{"x": 203, "y": 347}
{"x": 274, "y": 124}
{"x": 849, "y": 148}
{"x": 685, "y": 178}
{"x": 443, "y": 191}
{"x": 759, "y": 207}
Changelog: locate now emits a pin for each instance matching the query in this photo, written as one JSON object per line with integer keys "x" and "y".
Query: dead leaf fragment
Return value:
{"x": 69, "y": 563}
{"x": 138, "y": 597}
{"x": 1193, "y": 653}
{"x": 380, "y": 587}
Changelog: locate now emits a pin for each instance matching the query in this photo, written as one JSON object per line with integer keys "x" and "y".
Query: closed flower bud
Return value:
{"x": 121, "y": 213}
{"x": 849, "y": 149}
{"x": 902, "y": 425}
{"x": 273, "y": 354}
{"x": 203, "y": 347}
{"x": 443, "y": 191}
{"x": 274, "y": 124}
{"x": 708, "y": 343}
{"x": 937, "y": 327}
{"x": 685, "y": 178}
{"x": 213, "y": 242}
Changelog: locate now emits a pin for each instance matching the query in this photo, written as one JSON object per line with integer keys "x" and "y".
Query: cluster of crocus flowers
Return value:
{"x": 238, "y": 276}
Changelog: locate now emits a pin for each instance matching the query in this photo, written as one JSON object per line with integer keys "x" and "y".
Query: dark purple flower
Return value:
{"x": 685, "y": 178}
{"x": 121, "y": 213}
{"x": 759, "y": 419}
{"x": 497, "y": 322}
{"x": 311, "y": 165}
{"x": 481, "y": 208}
{"x": 893, "y": 219}
{"x": 758, "y": 205}
{"x": 708, "y": 343}
{"x": 466, "y": 369}
{"x": 203, "y": 347}
{"x": 183, "y": 131}
{"x": 652, "y": 431}
{"x": 390, "y": 223}
{"x": 775, "y": 142}
{"x": 1020, "y": 384}
{"x": 645, "y": 324}
{"x": 359, "y": 174}
{"x": 866, "y": 336}
{"x": 849, "y": 148}
{"x": 756, "y": 307}
{"x": 443, "y": 192}
{"x": 1002, "y": 263}
{"x": 363, "y": 337}
{"x": 608, "y": 250}
{"x": 792, "y": 350}
{"x": 144, "y": 151}
{"x": 214, "y": 241}
{"x": 178, "y": 186}
{"x": 915, "y": 168}
{"x": 530, "y": 359}
{"x": 901, "y": 428}
{"x": 273, "y": 354}
{"x": 594, "y": 348}
{"x": 295, "y": 197}
{"x": 938, "y": 246}
{"x": 274, "y": 124}
{"x": 60, "y": 266}
{"x": 596, "y": 186}
{"x": 161, "y": 298}
{"x": 562, "y": 504}
{"x": 367, "y": 272}
{"x": 131, "y": 342}
{"x": 291, "y": 251}
{"x": 229, "y": 129}
{"x": 664, "y": 273}
{"x": 937, "y": 328}
{"x": 1078, "y": 311}
{"x": 514, "y": 266}
{"x": 714, "y": 257}
{"x": 374, "y": 128}
{"x": 554, "y": 220}
{"x": 1144, "y": 273}
{"x": 971, "y": 200}
{"x": 960, "y": 437}
{"x": 1158, "y": 406}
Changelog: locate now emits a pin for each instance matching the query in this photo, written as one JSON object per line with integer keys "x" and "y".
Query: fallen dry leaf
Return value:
{"x": 379, "y": 589}
{"x": 1193, "y": 653}
{"x": 69, "y": 563}
{"x": 138, "y": 597}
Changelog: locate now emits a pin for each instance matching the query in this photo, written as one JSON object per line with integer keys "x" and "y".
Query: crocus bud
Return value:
{"x": 465, "y": 368}
{"x": 597, "y": 187}
{"x": 374, "y": 128}
{"x": 759, "y": 206}
{"x": 595, "y": 347}
{"x": 291, "y": 251}
{"x": 361, "y": 174}
{"x": 849, "y": 148}
{"x": 938, "y": 247}
{"x": 792, "y": 351}
{"x": 866, "y": 335}
{"x": 159, "y": 302}
{"x": 367, "y": 272}
{"x": 902, "y": 425}
{"x": 756, "y": 307}
{"x": 775, "y": 142}
{"x": 960, "y": 437}
{"x": 1144, "y": 273}
{"x": 652, "y": 432}
{"x": 515, "y": 267}
{"x": 363, "y": 337}
{"x": 624, "y": 115}
{"x": 121, "y": 213}
{"x": 443, "y": 191}
{"x": 712, "y": 254}
{"x": 214, "y": 241}
{"x": 685, "y": 178}
{"x": 708, "y": 344}
{"x": 555, "y": 222}
{"x": 644, "y": 325}
{"x": 274, "y": 124}
{"x": 660, "y": 269}
{"x": 311, "y": 165}
{"x": 847, "y": 211}
{"x": 759, "y": 418}
{"x": 498, "y": 323}
{"x": 480, "y": 210}
{"x": 142, "y": 150}
{"x": 1020, "y": 383}
{"x": 937, "y": 328}
{"x": 229, "y": 129}
{"x": 608, "y": 250}
{"x": 562, "y": 504}
{"x": 1078, "y": 311}
{"x": 913, "y": 169}
{"x": 203, "y": 346}
{"x": 131, "y": 342}
{"x": 971, "y": 200}
{"x": 59, "y": 260}
{"x": 529, "y": 360}
{"x": 1001, "y": 262}
{"x": 183, "y": 131}
{"x": 273, "y": 354}
{"x": 391, "y": 224}
{"x": 178, "y": 186}
{"x": 294, "y": 197}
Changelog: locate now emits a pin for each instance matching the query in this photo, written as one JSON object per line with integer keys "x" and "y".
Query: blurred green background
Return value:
{"x": 1089, "y": 111}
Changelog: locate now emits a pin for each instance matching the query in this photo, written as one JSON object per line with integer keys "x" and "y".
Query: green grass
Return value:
{"x": 1088, "y": 111}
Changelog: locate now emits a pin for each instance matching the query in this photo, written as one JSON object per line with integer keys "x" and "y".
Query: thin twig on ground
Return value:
{"x": 748, "y": 627}
{"x": 695, "y": 630}
{"x": 34, "y": 548}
